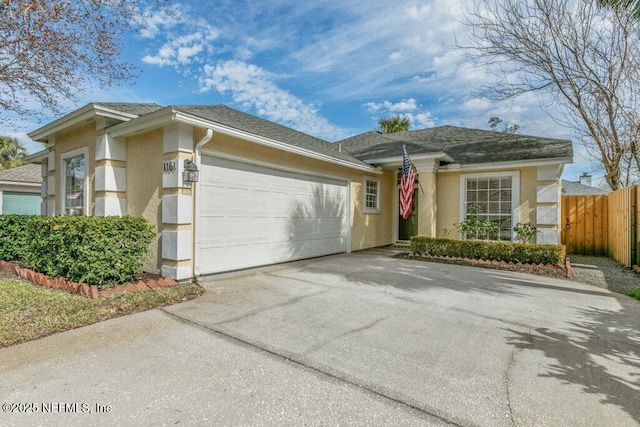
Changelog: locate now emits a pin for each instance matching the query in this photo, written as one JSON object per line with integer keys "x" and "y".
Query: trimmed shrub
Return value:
{"x": 13, "y": 237}
{"x": 499, "y": 251}
{"x": 94, "y": 250}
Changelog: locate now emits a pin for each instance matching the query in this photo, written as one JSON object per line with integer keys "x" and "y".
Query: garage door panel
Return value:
{"x": 253, "y": 215}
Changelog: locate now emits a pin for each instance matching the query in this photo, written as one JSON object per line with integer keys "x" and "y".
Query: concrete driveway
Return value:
{"x": 348, "y": 339}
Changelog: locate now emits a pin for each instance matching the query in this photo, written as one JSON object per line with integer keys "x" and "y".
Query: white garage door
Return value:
{"x": 253, "y": 215}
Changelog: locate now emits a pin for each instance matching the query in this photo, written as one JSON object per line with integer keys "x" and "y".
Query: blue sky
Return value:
{"x": 327, "y": 68}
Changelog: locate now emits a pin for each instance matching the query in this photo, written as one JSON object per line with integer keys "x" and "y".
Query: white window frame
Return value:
{"x": 84, "y": 151}
{"x": 515, "y": 195}
{"x": 366, "y": 209}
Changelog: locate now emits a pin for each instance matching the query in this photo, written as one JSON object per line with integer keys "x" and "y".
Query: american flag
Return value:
{"x": 406, "y": 186}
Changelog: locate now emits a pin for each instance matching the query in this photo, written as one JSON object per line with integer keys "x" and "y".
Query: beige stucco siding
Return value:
{"x": 367, "y": 230}
{"x": 78, "y": 138}
{"x": 144, "y": 187}
{"x": 448, "y": 198}
{"x": 447, "y": 204}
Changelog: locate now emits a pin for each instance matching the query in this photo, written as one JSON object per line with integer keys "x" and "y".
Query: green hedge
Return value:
{"x": 499, "y": 251}
{"x": 93, "y": 250}
{"x": 13, "y": 237}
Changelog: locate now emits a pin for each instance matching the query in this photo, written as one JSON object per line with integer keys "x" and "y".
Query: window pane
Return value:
{"x": 472, "y": 184}
{"x": 491, "y": 199}
{"x": 472, "y": 196}
{"x": 74, "y": 185}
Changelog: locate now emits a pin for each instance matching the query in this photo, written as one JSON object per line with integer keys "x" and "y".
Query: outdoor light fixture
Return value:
{"x": 191, "y": 172}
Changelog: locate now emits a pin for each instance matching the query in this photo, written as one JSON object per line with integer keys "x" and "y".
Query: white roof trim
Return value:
{"x": 39, "y": 156}
{"x": 456, "y": 167}
{"x": 157, "y": 119}
{"x": 85, "y": 113}
{"x": 21, "y": 183}
{"x": 389, "y": 161}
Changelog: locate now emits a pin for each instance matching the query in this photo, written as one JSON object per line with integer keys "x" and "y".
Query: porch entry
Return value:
{"x": 408, "y": 227}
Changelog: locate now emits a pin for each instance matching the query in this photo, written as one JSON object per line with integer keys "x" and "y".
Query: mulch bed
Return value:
{"x": 548, "y": 270}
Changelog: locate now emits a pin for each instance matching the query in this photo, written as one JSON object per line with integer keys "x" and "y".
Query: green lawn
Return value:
{"x": 28, "y": 312}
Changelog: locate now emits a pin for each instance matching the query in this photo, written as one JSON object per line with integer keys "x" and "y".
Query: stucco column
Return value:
{"x": 177, "y": 203}
{"x": 427, "y": 197}
{"x": 110, "y": 183}
{"x": 548, "y": 208}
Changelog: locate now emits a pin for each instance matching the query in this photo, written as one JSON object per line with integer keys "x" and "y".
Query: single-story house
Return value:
{"x": 267, "y": 193}
{"x": 582, "y": 187}
{"x": 20, "y": 190}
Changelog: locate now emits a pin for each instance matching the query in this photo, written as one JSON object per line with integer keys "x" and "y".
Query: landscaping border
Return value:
{"x": 563, "y": 271}
{"x": 89, "y": 291}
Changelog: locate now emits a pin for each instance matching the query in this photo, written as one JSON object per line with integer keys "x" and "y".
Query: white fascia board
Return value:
{"x": 21, "y": 183}
{"x": 506, "y": 165}
{"x": 85, "y": 113}
{"x": 38, "y": 157}
{"x": 143, "y": 123}
{"x": 397, "y": 160}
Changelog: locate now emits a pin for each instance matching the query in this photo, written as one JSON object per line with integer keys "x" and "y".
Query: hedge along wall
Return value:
{"x": 95, "y": 250}
{"x": 499, "y": 251}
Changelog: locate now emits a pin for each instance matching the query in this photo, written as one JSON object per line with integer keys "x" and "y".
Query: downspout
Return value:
{"x": 196, "y": 193}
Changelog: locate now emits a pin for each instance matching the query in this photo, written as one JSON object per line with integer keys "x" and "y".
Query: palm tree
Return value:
{"x": 12, "y": 152}
{"x": 394, "y": 124}
{"x": 633, "y": 5}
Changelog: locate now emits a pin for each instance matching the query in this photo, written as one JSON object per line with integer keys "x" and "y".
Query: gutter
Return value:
{"x": 196, "y": 193}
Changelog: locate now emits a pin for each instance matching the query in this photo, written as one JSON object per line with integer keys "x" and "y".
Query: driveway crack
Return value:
{"x": 270, "y": 307}
{"x": 300, "y": 360}
{"x": 345, "y": 334}
{"x": 507, "y": 374}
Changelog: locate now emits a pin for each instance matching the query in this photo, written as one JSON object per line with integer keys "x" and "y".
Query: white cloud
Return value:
{"x": 186, "y": 39}
{"x": 408, "y": 108}
{"x": 254, "y": 88}
{"x": 157, "y": 21}
{"x": 394, "y": 107}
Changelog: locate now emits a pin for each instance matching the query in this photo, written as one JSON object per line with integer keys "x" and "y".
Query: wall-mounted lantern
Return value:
{"x": 191, "y": 172}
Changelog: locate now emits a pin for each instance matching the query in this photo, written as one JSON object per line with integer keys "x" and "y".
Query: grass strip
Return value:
{"x": 29, "y": 312}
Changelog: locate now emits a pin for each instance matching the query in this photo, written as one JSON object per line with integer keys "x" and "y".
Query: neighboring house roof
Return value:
{"x": 570, "y": 188}
{"x": 27, "y": 173}
{"x": 464, "y": 145}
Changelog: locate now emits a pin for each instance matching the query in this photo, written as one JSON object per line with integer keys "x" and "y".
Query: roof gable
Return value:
{"x": 464, "y": 145}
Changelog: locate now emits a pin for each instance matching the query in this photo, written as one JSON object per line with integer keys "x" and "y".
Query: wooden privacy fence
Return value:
{"x": 603, "y": 225}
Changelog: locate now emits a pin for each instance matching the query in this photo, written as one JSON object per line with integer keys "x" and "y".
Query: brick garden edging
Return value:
{"x": 545, "y": 269}
{"x": 89, "y": 291}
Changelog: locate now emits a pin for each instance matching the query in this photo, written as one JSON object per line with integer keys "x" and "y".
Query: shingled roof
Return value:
{"x": 246, "y": 122}
{"x": 26, "y": 173}
{"x": 130, "y": 107}
{"x": 464, "y": 145}
{"x": 571, "y": 188}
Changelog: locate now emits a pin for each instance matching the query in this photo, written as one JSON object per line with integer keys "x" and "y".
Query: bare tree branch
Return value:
{"x": 51, "y": 50}
{"x": 583, "y": 55}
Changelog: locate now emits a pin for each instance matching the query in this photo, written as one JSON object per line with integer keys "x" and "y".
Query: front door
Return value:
{"x": 408, "y": 227}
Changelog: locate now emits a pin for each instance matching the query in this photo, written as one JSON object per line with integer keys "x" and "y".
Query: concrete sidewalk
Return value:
{"x": 349, "y": 339}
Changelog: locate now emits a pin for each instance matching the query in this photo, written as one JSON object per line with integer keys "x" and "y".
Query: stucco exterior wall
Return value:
{"x": 78, "y": 138}
{"x": 447, "y": 204}
{"x": 144, "y": 188}
{"x": 367, "y": 230}
{"x": 448, "y": 199}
